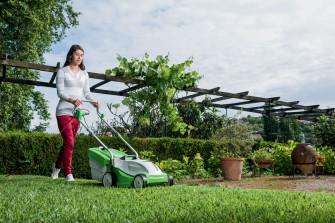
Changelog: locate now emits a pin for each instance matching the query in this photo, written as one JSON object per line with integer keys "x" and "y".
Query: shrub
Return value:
{"x": 193, "y": 168}
{"x": 282, "y": 155}
{"x": 261, "y": 154}
{"x": 328, "y": 155}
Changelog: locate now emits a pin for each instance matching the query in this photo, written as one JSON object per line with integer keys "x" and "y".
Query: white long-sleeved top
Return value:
{"x": 70, "y": 85}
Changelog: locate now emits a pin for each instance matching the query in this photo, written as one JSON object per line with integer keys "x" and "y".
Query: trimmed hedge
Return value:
{"x": 20, "y": 150}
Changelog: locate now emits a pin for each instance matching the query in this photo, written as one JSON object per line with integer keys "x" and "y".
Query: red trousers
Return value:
{"x": 69, "y": 133}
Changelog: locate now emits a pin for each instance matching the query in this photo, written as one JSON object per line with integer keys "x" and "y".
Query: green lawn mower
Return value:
{"x": 115, "y": 168}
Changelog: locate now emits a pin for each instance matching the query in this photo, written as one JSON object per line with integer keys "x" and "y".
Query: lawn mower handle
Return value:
{"x": 101, "y": 116}
{"x": 78, "y": 114}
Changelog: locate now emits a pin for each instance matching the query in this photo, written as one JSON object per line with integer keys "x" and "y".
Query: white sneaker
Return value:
{"x": 55, "y": 172}
{"x": 69, "y": 178}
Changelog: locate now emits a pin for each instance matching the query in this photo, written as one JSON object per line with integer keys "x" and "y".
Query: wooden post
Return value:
{"x": 54, "y": 75}
{"x": 4, "y": 72}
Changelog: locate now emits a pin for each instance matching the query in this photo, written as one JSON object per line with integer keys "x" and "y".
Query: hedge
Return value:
{"x": 20, "y": 150}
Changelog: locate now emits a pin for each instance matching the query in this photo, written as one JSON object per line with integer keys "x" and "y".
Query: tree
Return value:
{"x": 28, "y": 28}
{"x": 256, "y": 122}
{"x": 307, "y": 128}
{"x": 155, "y": 100}
{"x": 202, "y": 117}
{"x": 271, "y": 126}
{"x": 324, "y": 131}
{"x": 281, "y": 129}
{"x": 238, "y": 135}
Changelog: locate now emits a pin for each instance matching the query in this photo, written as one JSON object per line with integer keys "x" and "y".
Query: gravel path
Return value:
{"x": 323, "y": 184}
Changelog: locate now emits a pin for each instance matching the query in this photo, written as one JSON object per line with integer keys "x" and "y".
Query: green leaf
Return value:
{"x": 116, "y": 105}
{"x": 108, "y": 72}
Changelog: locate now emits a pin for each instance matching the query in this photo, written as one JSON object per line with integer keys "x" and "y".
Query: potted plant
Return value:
{"x": 262, "y": 158}
{"x": 233, "y": 140}
{"x": 231, "y": 159}
{"x": 319, "y": 167}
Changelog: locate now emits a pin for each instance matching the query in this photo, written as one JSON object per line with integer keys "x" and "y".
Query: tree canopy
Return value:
{"x": 28, "y": 29}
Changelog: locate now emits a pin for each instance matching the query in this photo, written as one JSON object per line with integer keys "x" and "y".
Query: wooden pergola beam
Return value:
{"x": 197, "y": 95}
{"x": 240, "y": 103}
{"x": 99, "y": 84}
{"x": 29, "y": 82}
{"x": 225, "y": 98}
{"x": 303, "y": 113}
{"x": 139, "y": 83}
{"x": 263, "y": 107}
{"x": 136, "y": 87}
{"x": 282, "y": 109}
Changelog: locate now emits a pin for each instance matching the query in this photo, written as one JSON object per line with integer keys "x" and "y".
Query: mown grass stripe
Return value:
{"x": 40, "y": 199}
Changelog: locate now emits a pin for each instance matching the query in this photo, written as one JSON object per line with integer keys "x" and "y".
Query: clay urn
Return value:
{"x": 304, "y": 158}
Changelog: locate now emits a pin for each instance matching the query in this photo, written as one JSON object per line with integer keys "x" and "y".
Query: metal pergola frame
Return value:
{"x": 272, "y": 106}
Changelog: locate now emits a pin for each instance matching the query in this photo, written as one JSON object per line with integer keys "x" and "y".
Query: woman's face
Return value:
{"x": 77, "y": 57}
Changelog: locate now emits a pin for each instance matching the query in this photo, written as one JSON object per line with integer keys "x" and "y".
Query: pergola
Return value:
{"x": 269, "y": 106}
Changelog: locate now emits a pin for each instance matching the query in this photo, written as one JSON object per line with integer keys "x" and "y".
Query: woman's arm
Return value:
{"x": 60, "y": 86}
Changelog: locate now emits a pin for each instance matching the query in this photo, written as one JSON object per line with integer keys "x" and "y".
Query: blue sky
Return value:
{"x": 267, "y": 47}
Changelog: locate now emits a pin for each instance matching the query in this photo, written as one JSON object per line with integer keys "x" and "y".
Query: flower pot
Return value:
{"x": 319, "y": 169}
{"x": 304, "y": 157}
{"x": 264, "y": 163}
{"x": 232, "y": 167}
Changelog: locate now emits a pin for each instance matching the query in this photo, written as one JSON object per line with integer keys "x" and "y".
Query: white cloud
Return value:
{"x": 269, "y": 48}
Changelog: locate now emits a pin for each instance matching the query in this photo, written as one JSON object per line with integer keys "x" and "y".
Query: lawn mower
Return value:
{"x": 115, "y": 168}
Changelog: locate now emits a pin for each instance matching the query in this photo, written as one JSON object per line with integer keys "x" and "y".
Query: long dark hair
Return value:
{"x": 69, "y": 56}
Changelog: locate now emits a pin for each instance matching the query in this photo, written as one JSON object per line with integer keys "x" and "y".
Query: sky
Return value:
{"x": 267, "y": 47}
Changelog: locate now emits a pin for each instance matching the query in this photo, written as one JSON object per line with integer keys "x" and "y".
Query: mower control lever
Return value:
{"x": 124, "y": 157}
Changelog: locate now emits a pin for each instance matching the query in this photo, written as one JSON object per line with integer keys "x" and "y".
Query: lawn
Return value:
{"x": 40, "y": 199}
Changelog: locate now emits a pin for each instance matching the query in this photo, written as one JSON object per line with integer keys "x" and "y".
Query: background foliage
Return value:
{"x": 203, "y": 119}
{"x": 163, "y": 83}
{"x": 27, "y": 30}
{"x": 325, "y": 131}
{"x": 281, "y": 129}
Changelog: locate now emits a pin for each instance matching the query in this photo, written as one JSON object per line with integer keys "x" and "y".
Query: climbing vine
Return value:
{"x": 163, "y": 83}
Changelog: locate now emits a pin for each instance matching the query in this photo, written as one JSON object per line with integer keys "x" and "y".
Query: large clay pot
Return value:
{"x": 232, "y": 167}
{"x": 304, "y": 158}
{"x": 264, "y": 163}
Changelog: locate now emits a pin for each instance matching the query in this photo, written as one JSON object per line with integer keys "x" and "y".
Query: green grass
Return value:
{"x": 40, "y": 199}
{"x": 321, "y": 189}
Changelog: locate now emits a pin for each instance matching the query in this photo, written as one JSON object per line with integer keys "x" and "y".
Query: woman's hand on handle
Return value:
{"x": 76, "y": 102}
{"x": 96, "y": 104}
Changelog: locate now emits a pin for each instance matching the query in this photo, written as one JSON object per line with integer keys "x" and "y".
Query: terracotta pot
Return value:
{"x": 319, "y": 169}
{"x": 232, "y": 167}
{"x": 304, "y": 158}
{"x": 264, "y": 163}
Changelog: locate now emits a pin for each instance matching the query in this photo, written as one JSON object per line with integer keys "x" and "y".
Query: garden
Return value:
{"x": 221, "y": 173}
{"x": 269, "y": 183}
{"x": 200, "y": 192}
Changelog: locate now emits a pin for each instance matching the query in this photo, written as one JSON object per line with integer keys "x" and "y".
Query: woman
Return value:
{"x": 72, "y": 83}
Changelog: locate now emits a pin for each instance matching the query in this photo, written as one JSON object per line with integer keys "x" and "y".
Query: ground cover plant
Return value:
{"x": 39, "y": 199}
